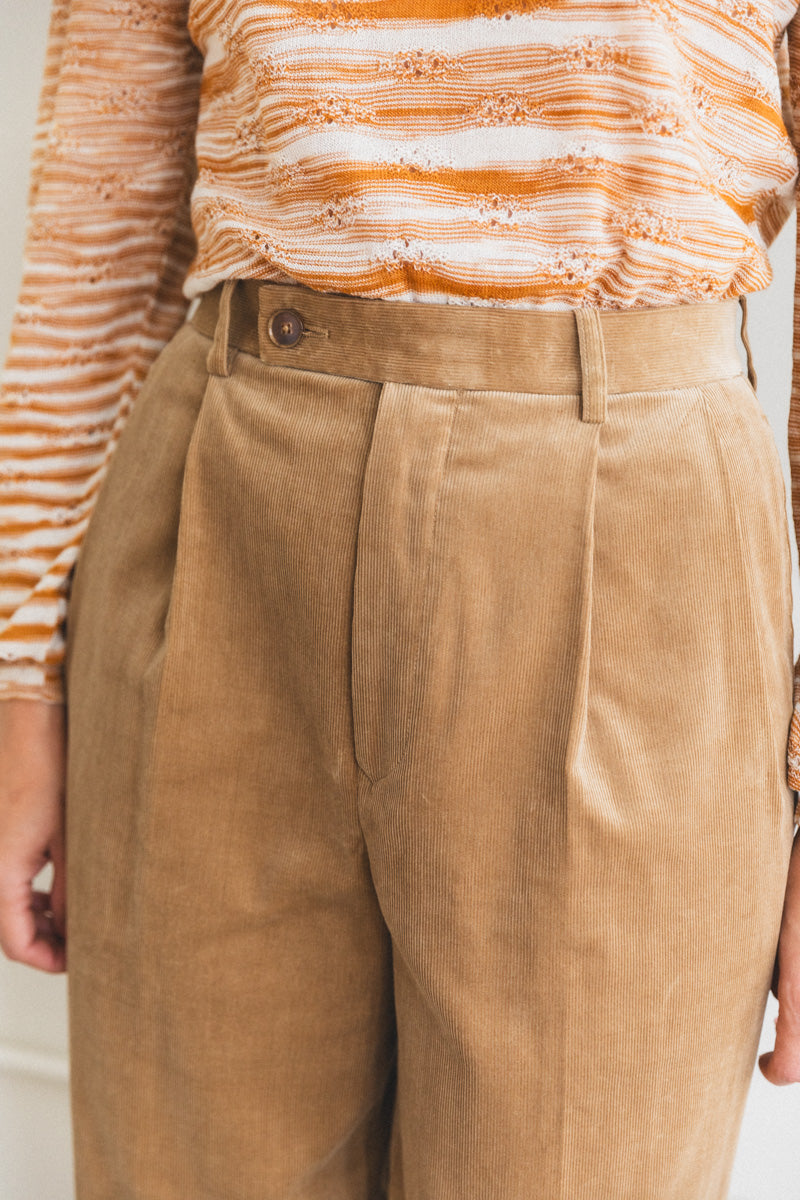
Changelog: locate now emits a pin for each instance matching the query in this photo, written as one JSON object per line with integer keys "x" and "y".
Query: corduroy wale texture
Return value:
{"x": 548, "y": 154}
{"x": 467, "y": 884}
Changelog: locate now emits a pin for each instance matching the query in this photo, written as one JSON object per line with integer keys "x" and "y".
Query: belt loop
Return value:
{"x": 751, "y": 371}
{"x": 594, "y": 378}
{"x": 218, "y": 361}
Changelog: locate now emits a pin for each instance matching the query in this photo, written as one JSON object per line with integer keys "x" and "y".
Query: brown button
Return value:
{"x": 285, "y": 327}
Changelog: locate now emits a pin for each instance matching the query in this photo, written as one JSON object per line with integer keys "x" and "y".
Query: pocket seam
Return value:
{"x": 769, "y": 725}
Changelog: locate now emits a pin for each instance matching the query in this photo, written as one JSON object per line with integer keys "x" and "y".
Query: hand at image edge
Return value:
{"x": 32, "y": 793}
{"x": 781, "y": 1065}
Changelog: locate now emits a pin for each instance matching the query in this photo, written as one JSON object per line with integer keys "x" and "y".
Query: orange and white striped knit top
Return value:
{"x": 539, "y": 153}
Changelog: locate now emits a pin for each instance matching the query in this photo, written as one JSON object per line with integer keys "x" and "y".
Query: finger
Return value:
{"x": 47, "y": 950}
{"x": 44, "y": 923}
{"x": 23, "y": 938}
{"x": 772, "y": 1071}
{"x": 46, "y": 954}
{"x": 58, "y": 892}
{"x": 17, "y": 925}
{"x": 781, "y": 1065}
{"x": 45, "y": 918}
{"x": 38, "y": 947}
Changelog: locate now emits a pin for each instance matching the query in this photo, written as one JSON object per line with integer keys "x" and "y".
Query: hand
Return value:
{"x": 32, "y": 791}
{"x": 782, "y": 1064}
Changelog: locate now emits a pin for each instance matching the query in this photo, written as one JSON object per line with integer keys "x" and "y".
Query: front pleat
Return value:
{"x": 573, "y": 917}
{"x": 186, "y": 580}
{"x": 402, "y": 483}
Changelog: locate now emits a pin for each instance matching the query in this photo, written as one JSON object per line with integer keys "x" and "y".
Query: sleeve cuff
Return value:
{"x": 793, "y": 745}
{"x": 26, "y": 680}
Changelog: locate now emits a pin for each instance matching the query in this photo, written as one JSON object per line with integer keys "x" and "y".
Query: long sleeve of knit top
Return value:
{"x": 108, "y": 243}
{"x": 530, "y": 153}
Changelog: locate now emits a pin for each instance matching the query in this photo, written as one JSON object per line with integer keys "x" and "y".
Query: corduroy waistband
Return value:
{"x": 475, "y": 347}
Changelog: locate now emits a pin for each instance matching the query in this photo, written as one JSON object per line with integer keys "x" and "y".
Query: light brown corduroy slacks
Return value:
{"x": 429, "y": 682}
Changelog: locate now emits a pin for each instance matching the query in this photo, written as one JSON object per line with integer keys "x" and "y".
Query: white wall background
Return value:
{"x": 35, "y": 1156}
{"x": 35, "y": 1151}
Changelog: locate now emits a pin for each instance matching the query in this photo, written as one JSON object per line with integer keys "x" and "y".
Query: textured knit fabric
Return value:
{"x": 503, "y": 152}
{"x": 411, "y": 852}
